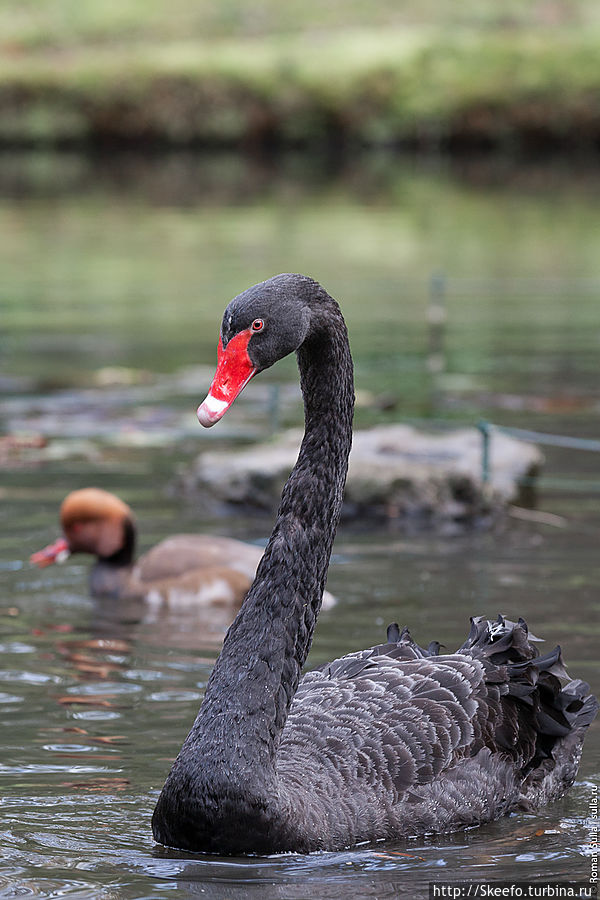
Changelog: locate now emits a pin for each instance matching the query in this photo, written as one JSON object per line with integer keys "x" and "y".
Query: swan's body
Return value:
{"x": 382, "y": 743}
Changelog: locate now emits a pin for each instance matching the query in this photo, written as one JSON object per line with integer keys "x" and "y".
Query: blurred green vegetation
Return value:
{"x": 240, "y": 74}
{"x": 35, "y": 24}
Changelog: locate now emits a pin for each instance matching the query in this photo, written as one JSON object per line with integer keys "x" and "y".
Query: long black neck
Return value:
{"x": 256, "y": 676}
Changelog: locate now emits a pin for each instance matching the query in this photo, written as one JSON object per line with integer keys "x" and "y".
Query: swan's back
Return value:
{"x": 397, "y": 740}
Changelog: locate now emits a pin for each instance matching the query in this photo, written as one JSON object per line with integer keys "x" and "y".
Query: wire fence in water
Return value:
{"x": 590, "y": 445}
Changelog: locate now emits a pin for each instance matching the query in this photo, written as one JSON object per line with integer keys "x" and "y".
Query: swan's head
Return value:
{"x": 263, "y": 324}
{"x": 93, "y": 521}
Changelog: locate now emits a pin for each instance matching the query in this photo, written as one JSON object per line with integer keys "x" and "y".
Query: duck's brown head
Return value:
{"x": 93, "y": 521}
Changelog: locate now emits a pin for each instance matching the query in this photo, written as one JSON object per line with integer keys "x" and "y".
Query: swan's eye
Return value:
{"x": 258, "y": 325}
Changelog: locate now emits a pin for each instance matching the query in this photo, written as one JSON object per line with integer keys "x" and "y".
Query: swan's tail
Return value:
{"x": 544, "y": 714}
{"x": 544, "y": 707}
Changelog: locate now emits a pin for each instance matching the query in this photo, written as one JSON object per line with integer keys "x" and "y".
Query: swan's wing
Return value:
{"x": 368, "y": 741}
{"x": 417, "y": 742}
{"x": 400, "y": 720}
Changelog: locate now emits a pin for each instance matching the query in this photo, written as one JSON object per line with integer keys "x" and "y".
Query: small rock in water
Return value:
{"x": 396, "y": 472}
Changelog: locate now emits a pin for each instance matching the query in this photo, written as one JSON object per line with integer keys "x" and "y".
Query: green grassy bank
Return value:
{"x": 229, "y": 74}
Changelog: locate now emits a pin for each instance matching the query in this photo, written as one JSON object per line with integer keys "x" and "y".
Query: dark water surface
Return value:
{"x": 114, "y": 281}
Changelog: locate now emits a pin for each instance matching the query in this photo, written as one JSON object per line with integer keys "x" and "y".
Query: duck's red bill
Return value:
{"x": 234, "y": 371}
{"x": 56, "y": 552}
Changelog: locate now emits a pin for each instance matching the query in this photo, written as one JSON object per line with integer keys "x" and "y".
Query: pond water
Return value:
{"x": 114, "y": 279}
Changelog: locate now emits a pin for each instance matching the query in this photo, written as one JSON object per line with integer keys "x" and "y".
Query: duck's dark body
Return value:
{"x": 379, "y": 744}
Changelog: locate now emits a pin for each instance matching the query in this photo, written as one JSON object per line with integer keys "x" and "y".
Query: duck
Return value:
{"x": 382, "y": 744}
{"x": 183, "y": 570}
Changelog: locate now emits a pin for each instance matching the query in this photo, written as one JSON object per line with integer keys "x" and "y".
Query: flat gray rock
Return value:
{"x": 421, "y": 479}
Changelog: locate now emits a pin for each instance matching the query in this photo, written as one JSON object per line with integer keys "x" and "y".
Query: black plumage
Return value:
{"x": 388, "y": 742}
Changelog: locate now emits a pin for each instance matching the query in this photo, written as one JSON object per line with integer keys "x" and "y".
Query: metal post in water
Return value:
{"x": 485, "y": 430}
{"x": 436, "y": 318}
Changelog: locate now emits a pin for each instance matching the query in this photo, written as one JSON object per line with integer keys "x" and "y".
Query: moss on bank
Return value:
{"x": 412, "y": 87}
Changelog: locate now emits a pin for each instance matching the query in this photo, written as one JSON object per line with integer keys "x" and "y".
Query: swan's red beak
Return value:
{"x": 234, "y": 371}
{"x": 56, "y": 552}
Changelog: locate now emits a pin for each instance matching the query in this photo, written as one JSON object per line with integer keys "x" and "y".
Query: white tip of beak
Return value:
{"x": 211, "y": 410}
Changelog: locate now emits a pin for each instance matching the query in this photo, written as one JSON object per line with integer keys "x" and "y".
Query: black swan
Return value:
{"x": 380, "y": 744}
{"x": 184, "y": 570}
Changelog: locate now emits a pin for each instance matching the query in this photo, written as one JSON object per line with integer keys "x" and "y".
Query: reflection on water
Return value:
{"x": 95, "y": 698}
{"x": 186, "y": 628}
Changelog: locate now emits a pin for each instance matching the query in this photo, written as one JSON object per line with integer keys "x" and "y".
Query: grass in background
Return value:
{"x": 52, "y": 24}
{"x": 236, "y": 74}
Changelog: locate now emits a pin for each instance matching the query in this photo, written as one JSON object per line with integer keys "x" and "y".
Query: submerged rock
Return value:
{"x": 422, "y": 480}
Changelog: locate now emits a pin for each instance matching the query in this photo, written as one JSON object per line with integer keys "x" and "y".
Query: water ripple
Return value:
{"x": 174, "y": 696}
{"x": 16, "y": 647}
{"x": 30, "y": 677}
{"x": 104, "y": 687}
{"x": 146, "y": 675}
{"x": 97, "y": 715}
{"x": 73, "y": 748}
{"x": 47, "y": 769}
